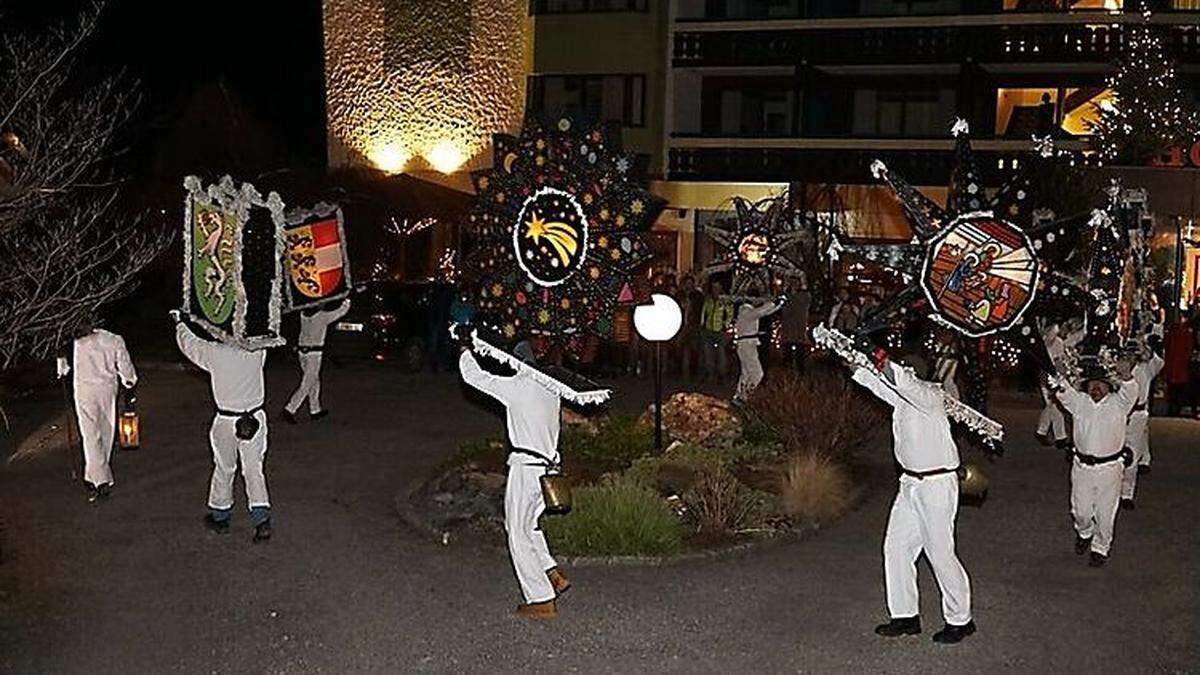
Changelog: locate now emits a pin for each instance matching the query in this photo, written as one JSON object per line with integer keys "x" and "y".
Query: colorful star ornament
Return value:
{"x": 983, "y": 266}
{"x": 558, "y": 229}
{"x": 759, "y": 245}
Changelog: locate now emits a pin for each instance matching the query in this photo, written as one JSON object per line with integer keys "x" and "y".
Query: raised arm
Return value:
{"x": 338, "y": 313}
{"x": 499, "y": 388}
{"x": 1071, "y": 398}
{"x": 764, "y": 310}
{"x": 195, "y": 349}
{"x": 125, "y": 368}
{"x": 872, "y": 380}
{"x": 1127, "y": 393}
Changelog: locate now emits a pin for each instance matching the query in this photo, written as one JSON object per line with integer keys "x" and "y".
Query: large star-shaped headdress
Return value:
{"x": 558, "y": 229}
{"x": 760, "y": 245}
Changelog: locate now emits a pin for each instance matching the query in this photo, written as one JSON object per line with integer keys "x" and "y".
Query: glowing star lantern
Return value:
{"x": 558, "y": 227}
{"x": 759, "y": 244}
{"x": 659, "y": 321}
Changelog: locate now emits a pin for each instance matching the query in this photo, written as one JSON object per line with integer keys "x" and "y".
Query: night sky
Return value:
{"x": 232, "y": 85}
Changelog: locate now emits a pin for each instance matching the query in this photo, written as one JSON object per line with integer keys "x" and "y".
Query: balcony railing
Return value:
{"x": 921, "y": 162}
{"x": 699, "y": 10}
{"x": 1020, "y": 43}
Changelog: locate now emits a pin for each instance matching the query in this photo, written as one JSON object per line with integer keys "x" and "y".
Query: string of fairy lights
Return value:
{"x": 1146, "y": 103}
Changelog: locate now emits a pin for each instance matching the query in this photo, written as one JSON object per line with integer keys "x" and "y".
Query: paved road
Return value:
{"x": 137, "y": 586}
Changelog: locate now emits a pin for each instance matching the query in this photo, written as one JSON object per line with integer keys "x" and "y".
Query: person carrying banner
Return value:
{"x": 314, "y": 324}
{"x": 239, "y": 429}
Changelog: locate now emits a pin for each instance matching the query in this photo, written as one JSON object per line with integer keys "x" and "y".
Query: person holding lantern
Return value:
{"x": 239, "y": 429}
{"x": 746, "y": 340}
{"x": 314, "y": 324}
{"x": 101, "y": 365}
{"x": 533, "y": 417}
{"x": 926, "y": 505}
{"x": 1099, "y": 420}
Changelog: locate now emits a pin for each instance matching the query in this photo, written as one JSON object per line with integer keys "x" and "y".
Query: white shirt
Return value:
{"x": 1144, "y": 373}
{"x": 920, "y": 428}
{"x": 1099, "y": 427}
{"x": 101, "y": 359}
{"x": 313, "y": 328}
{"x": 531, "y": 410}
{"x": 236, "y": 374}
{"x": 746, "y": 324}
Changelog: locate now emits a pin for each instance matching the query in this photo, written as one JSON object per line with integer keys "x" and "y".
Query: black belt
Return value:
{"x": 752, "y": 336}
{"x": 922, "y": 475}
{"x": 234, "y": 413}
{"x": 1125, "y": 455}
{"x": 309, "y": 350}
{"x": 522, "y": 451}
{"x": 1140, "y": 407}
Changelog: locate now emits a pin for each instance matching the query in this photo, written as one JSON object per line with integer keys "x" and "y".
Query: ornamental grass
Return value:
{"x": 616, "y": 518}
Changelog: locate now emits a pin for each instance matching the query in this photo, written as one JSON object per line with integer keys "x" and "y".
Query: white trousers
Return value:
{"x": 1051, "y": 419}
{"x": 96, "y": 410}
{"x": 227, "y": 450}
{"x": 523, "y": 506}
{"x": 752, "y": 372}
{"x": 310, "y": 383}
{"x": 1095, "y": 492}
{"x": 922, "y": 519}
{"x": 1137, "y": 438}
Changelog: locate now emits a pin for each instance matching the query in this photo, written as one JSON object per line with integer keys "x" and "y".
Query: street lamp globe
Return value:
{"x": 659, "y": 321}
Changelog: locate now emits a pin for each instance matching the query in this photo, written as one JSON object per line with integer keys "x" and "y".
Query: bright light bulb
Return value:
{"x": 446, "y": 157}
{"x": 389, "y": 157}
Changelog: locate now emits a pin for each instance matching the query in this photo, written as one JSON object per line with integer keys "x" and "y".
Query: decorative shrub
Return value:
{"x": 616, "y": 517}
{"x": 814, "y": 489}
{"x": 719, "y": 504}
{"x": 618, "y": 441}
{"x": 818, "y": 413}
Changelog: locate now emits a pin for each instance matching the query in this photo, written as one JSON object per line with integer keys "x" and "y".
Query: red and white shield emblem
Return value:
{"x": 315, "y": 258}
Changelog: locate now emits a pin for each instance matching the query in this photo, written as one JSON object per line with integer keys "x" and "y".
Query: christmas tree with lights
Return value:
{"x": 1147, "y": 113}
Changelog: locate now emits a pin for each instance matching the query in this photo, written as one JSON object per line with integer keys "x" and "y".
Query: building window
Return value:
{"x": 589, "y": 98}
{"x": 900, "y": 112}
{"x": 1021, "y": 113}
{"x": 581, "y": 6}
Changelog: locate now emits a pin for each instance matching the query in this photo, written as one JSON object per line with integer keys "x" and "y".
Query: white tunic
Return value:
{"x": 745, "y": 330}
{"x": 313, "y": 328}
{"x": 101, "y": 359}
{"x": 235, "y": 373}
{"x": 532, "y": 412}
{"x": 1100, "y": 427}
{"x": 920, "y": 428}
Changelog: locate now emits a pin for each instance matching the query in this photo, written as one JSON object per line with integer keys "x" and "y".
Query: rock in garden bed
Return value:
{"x": 692, "y": 417}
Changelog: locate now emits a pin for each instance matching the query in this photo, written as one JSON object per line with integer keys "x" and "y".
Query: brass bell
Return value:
{"x": 556, "y": 491}
{"x": 972, "y": 481}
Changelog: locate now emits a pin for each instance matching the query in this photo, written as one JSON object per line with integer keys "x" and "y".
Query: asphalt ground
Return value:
{"x": 135, "y": 584}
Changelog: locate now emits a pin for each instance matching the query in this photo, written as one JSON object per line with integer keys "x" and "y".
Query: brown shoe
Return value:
{"x": 558, "y": 580}
{"x": 538, "y": 610}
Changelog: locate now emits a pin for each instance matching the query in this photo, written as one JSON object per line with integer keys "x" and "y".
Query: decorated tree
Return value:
{"x": 65, "y": 249}
{"x": 1147, "y": 113}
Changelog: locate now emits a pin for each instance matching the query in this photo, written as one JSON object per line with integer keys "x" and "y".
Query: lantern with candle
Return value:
{"x": 127, "y": 423}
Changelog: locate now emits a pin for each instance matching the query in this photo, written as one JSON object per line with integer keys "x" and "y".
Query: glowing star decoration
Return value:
{"x": 550, "y": 236}
{"x": 558, "y": 231}
{"x": 759, "y": 245}
{"x": 983, "y": 266}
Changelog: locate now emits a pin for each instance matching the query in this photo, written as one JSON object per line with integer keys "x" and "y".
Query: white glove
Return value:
{"x": 62, "y": 366}
{"x": 176, "y": 315}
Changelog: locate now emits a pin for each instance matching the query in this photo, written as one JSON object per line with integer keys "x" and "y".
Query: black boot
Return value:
{"x": 1143, "y": 469}
{"x": 288, "y": 416}
{"x": 104, "y": 490}
{"x": 218, "y": 526}
{"x": 318, "y": 415}
{"x": 897, "y": 627}
{"x": 1127, "y": 504}
{"x": 951, "y": 634}
{"x": 262, "y": 531}
{"x": 1098, "y": 560}
{"x": 1082, "y": 545}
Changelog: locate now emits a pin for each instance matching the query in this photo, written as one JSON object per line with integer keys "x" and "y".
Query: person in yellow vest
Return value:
{"x": 715, "y": 318}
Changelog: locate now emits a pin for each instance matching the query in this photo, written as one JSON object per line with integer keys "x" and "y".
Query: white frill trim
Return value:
{"x": 551, "y": 384}
{"x": 843, "y": 346}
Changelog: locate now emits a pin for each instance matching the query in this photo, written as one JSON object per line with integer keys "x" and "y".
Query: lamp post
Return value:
{"x": 658, "y": 322}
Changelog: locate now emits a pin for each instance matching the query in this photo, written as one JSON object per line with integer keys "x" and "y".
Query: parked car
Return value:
{"x": 389, "y": 323}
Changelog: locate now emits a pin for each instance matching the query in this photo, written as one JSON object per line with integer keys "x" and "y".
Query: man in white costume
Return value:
{"x": 1100, "y": 457}
{"x": 1052, "y": 424}
{"x": 239, "y": 428}
{"x": 532, "y": 416}
{"x": 314, "y": 324}
{"x": 746, "y": 338}
{"x": 102, "y": 364}
{"x": 926, "y": 504}
{"x": 1137, "y": 429}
